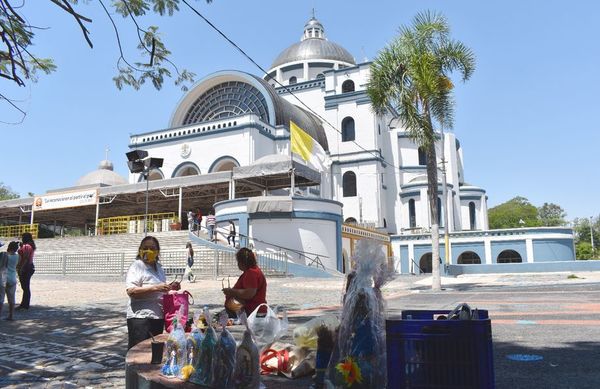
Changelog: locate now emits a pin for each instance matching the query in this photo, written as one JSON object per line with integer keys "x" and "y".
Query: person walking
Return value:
{"x": 190, "y": 262}
{"x": 211, "y": 222}
{"x": 190, "y": 218}
{"x": 231, "y": 236}
{"x": 9, "y": 278}
{"x": 145, "y": 285}
{"x": 199, "y": 219}
{"x": 25, "y": 268}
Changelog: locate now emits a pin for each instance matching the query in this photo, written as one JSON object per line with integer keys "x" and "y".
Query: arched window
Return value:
{"x": 412, "y": 215}
{"x": 320, "y": 76}
{"x": 350, "y": 220}
{"x": 349, "y": 184}
{"x": 293, "y": 80}
{"x": 472, "y": 215}
{"x": 348, "y": 129}
{"x": 509, "y": 256}
{"x": 422, "y": 157}
{"x": 425, "y": 263}
{"x": 186, "y": 169}
{"x": 469, "y": 258}
{"x": 348, "y": 86}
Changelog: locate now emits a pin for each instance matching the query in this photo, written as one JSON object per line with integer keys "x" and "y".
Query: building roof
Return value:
{"x": 232, "y": 93}
{"x": 103, "y": 176}
{"x": 313, "y": 46}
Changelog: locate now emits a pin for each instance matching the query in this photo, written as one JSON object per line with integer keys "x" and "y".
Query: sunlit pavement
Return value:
{"x": 75, "y": 335}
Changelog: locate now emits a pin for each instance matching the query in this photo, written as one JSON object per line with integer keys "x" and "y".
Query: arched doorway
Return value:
{"x": 469, "y": 258}
{"x": 425, "y": 263}
{"x": 509, "y": 256}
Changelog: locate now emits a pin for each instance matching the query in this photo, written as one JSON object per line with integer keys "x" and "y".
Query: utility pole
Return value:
{"x": 592, "y": 233}
{"x": 445, "y": 202}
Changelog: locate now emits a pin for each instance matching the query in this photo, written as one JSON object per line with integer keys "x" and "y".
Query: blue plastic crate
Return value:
{"x": 427, "y": 353}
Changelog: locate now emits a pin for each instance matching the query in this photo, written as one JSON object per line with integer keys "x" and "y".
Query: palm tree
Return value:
{"x": 410, "y": 79}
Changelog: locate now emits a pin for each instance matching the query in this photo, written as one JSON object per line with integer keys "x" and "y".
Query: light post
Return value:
{"x": 138, "y": 162}
{"x": 592, "y": 233}
{"x": 445, "y": 203}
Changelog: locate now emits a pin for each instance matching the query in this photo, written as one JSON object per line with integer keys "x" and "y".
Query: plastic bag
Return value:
{"x": 203, "y": 370}
{"x": 305, "y": 335}
{"x": 175, "y": 356}
{"x": 223, "y": 363}
{"x": 269, "y": 328}
{"x": 246, "y": 373}
{"x": 359, "y": 356}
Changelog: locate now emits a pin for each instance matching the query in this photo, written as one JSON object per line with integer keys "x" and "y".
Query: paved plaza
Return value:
{"x": 75, "y": 335}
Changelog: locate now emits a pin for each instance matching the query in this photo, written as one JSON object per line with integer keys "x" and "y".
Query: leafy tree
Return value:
{"x": 583, "y": 240}
{"x": 412, "y": 76}
{"x": 6, "y": 193}
{"x": 19, "y": 63}
{"x": 515, "y": 213}
{"x": 551, "y": 215}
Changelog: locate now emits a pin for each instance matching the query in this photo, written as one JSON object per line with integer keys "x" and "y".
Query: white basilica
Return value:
{"x": 232, "y": 119}
{"x": 227, "y": 148}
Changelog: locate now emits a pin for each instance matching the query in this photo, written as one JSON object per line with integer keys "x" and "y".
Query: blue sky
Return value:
{"x": 525, "y": 120}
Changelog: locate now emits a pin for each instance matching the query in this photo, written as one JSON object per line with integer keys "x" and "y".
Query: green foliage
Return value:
{"x": 551, "y": 215}
{"x": 19, "y": 63}
{"x": 6, "y": 193}
{"x": 515, "y": 213}
{"x": 583, "y": 240}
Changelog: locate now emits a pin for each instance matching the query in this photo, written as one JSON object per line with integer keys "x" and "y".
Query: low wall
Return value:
{"x": 539, "y": 267}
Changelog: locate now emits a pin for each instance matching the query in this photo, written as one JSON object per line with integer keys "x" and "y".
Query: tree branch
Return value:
{"x": 79, "y": 18}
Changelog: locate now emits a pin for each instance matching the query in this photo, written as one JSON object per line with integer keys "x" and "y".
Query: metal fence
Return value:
{"x": 207, "y": 263}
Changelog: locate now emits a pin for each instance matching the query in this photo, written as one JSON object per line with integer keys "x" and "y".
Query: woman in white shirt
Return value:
{"x": 145, "y": 286}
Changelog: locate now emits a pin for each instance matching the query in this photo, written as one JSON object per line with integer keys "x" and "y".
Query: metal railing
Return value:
{"x": 132, "y": 224}
{"x": 207, "y": 263}
{"x": 17, "y": 230}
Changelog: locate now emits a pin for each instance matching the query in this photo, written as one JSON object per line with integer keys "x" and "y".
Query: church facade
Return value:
{"x": 232, "y": 119}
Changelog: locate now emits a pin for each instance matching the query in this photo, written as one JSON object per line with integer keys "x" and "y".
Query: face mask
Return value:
{"x": 149, "y": 256}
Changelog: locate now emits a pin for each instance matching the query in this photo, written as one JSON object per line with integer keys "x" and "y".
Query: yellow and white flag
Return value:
{"x": 308, "y": 149}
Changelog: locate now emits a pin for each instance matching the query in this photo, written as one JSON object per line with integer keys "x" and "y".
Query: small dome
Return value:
{"x": 315, "y": 46}
{"x": 103, "y": 176}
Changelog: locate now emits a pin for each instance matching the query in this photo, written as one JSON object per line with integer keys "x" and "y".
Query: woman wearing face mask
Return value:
{"x": 145, "y": 286}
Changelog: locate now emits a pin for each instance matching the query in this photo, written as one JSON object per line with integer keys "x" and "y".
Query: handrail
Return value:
{"x": 419, "y": 267}
{"x": 15, "y": 231}
{"x": 305, "y": 254}
{"x": 120, "y": 224}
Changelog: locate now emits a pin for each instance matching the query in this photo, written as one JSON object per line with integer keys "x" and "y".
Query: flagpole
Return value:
{"x": 293, "y": 178}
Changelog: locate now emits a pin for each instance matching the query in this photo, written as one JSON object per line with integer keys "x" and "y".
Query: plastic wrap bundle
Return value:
{"x": 223, "y": 362}
{"x": 359, "y": 356}
{"x": 247, "y": 371}
{"x": 193, "y": 342}
{"x": 203, "y": 369}
{"x": 305, "y": 335}
{"x": 174, "y": 357}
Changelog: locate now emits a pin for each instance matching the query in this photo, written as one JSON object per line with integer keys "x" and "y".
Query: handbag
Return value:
{"x": 175, "y": 303}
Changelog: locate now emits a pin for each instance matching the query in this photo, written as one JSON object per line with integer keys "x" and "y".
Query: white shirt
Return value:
{"x": 150, "y": 305}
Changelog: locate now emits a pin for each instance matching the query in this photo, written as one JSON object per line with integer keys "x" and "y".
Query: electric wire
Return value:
{"x": 379, "y": 157}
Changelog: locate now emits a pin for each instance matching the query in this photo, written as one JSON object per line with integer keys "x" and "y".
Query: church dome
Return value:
{"x": 313, "y": 46}
{"x": 103, "y": 176}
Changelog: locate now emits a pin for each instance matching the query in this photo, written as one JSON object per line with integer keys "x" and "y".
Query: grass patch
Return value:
{"x": 573, "y": 276}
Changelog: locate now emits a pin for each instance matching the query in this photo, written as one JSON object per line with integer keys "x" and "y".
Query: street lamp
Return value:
{"x": 592, "y": 233}
{"x": 138, "y": 162}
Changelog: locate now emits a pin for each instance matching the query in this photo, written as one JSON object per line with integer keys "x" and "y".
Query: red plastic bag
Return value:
{"x": 172, "y": 303}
